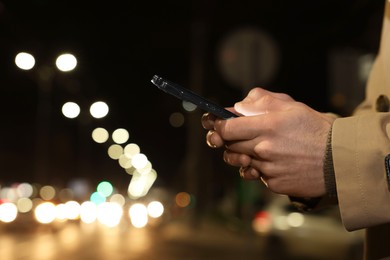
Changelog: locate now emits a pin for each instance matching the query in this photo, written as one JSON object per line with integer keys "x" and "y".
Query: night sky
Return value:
{"x": 120, "y": 45}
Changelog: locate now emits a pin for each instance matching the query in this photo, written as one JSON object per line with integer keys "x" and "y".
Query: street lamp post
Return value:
{"x": 72, "y": 110}
{"x": 44, "y": 77}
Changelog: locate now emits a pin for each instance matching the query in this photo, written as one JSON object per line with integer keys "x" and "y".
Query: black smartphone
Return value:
{"x": 189, "y": 96}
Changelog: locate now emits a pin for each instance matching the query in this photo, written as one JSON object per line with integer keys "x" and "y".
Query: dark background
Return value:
{"x": 120, "y": 45}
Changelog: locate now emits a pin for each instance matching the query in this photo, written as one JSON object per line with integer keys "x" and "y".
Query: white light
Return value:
{"x": 188, "y": 106}
{"x": 124, "y": 161}
{"x": 140, "y": 184}
{"x": 88, "y": 212}
{"x": 66, "y": 62}
{"x": 109, "y": 214}
{"x": 131, "y": 150}
{"x": 115, "y": 151}
{"x": 8, "y": 212}
{"x": 99, "y": 109}
{"x": 24, "y": 205}
{"x": 295, "y": 219}
{"x": 24, "y": 61}
{"x": 72, "y": 209}
{"x": 146, "y": 169}
{"x": 120, "y": 136}
{"x": 61, "y": 212}
{"x": 136, "y": 186}
{"x": 119, "y": 199}
{"x": 45, "y": 213}
{"x": 138, "y": 214}
{"x": 139, "y": 161}
{"x": 24, "y": 190}
{"x": 70, "y": 110}
{"x": 155, "y": 209}
{"x": 280, "y": 223}
{"x": 100, "y": 135}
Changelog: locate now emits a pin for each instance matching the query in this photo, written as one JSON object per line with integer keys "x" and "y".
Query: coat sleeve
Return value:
{"x": 360, "y": 145}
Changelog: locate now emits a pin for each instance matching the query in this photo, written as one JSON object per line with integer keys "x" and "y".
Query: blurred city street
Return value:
{"x": 173, "y": 241}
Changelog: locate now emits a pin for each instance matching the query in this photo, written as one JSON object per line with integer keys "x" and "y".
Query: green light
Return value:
{"x": 105, "y": 188}
{"x": 97, "y": 198}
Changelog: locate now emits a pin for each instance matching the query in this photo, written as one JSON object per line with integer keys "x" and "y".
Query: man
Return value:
{"x": 312, "y": 156}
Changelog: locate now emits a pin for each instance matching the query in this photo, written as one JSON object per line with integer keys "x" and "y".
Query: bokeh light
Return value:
{"x": 176, "y": 119}
{"x": 70, "y": 110}
{"x": 8, "y": 212}
{"x": 88, "y": 212}
{"x": 47, "y": 192}
{"x": 24, "y": 190}
{"x": 105, "y": 188}
{"x": 188, "y": 106}
{"x": 146, "y": 169}
{"x": 66, "y": 62}
{"x": 100, "y": 135}
{"x": 72, "y": 209}
{"x": 45, "y": 212}
{"x": 24, "y": 61}
{"x": 124, "y": 161}
{"x": 141, "y": 183}
{"x": 138, "y": 214}
{"x": 99, "y": 109}
{"x": 139, "y": 161}
{"x": 183, "y": 199}
{"x": 131, "y": 149}
{"x": 118, "y": 199}
{"x": 109, "y": 214}
{"x": 24, "y": 205}
{"x": 8, "y": 194}
{"x": 155, "y": 209}
{"x": 120, "y": 136}
{"x": 61, "y": 212}
{"x": 97, "y": 198}
{"x": 115, "y": 151}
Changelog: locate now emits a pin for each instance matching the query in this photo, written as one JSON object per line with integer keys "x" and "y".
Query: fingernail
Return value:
{"x": 208, "y": 139}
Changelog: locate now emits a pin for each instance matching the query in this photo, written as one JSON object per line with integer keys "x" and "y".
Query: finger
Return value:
{"x": 214, "y": 140}
{"x": 241, "y": 128}
{"x": 249, "y": 173}
{"x": 236, "y": 159}
{"x": 249, "y": 147}
{"x": 208, "y": 120}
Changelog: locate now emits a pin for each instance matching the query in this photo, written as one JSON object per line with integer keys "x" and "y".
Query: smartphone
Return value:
{"x": 189, "y": 96}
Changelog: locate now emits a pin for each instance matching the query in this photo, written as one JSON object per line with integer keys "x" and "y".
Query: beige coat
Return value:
{"x": 360, "y": 144}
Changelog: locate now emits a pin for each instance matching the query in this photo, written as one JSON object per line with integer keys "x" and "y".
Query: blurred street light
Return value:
{"x": 24, "y": 61}
{"x": 66, "y": 62}
{"x": 71, "y": 110}
{"x": 44, "y": 77}
{"x": 99, "y": 109}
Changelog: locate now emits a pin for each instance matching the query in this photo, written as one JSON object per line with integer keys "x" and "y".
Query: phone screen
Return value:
{"x": 190, "y": 96}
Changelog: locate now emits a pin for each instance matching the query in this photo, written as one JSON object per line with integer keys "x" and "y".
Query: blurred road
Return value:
{"x": 171, "y": 240}
{"x": 176, "y": 240}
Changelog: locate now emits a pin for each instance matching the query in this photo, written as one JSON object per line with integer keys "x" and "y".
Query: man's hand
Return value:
{"x": 277, "y": 139}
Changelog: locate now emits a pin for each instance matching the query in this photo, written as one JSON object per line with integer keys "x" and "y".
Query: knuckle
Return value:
{"x": 267, "y": 99}
{"x": 255, "y": 92}
{"x": 263, "y": 150}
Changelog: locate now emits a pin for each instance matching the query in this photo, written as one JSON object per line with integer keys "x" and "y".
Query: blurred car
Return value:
{"x": 291, "y": 234}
